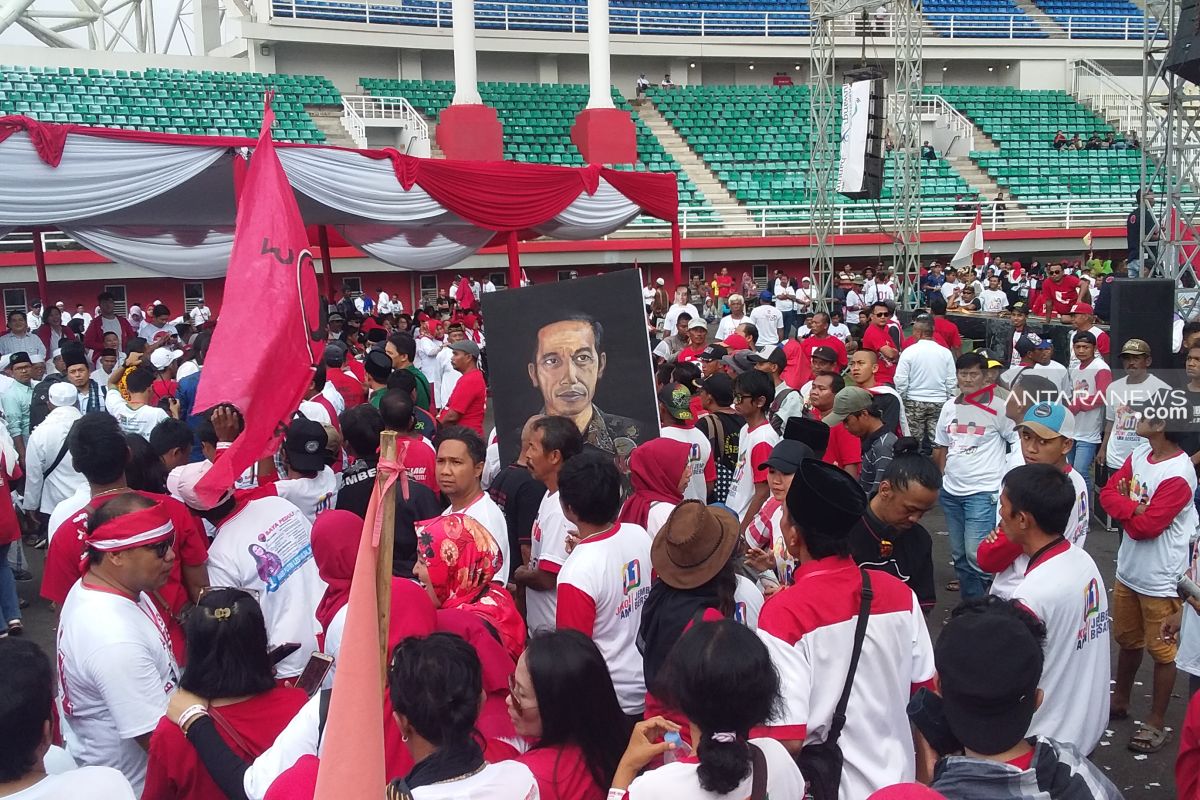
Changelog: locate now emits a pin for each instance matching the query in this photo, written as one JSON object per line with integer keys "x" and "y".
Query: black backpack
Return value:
{"x": 39, "y": 405}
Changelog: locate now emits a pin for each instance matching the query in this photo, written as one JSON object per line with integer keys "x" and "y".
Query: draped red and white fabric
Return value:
{"x": 970, "y": 250}
{"x": 167, "y": 202}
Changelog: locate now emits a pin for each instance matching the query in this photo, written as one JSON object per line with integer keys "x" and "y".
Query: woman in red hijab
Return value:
{"x": 659, "y": 472}
{"x": 335, "y": 538}
{"x": 456, "y": 560}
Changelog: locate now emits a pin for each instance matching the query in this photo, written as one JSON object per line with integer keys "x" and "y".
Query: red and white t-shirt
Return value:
{"x": 116, "y": 671}
{"x": 469, "y": 399}
{"x": 1064, "y": 590}
{"x": 1089, "y": 386}
{"x": 754, "y": 448}
{"x": 1102, "y": 346}
{"x": 601, "y": 590}
{"x": 700, "y": 460}
{"x": 765, "y": 532}
{"x": 547, "y": 552}
{"x": 485, "y": 511}
{"x": 809, "y": 630}
{"x": 310, "y": 495}
{"x": 1154, "y": 545}
{"x": 266, "y": 546}
{"x": 679, "y": 780}
{"x": 1119, "y": 409}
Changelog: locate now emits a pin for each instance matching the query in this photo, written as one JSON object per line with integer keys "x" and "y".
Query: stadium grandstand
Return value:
{"x": 726, "y": 109}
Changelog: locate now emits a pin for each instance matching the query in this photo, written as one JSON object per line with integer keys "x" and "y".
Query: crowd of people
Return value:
{"x": 1095, "y": 142}
{"x": 737, "y": 609}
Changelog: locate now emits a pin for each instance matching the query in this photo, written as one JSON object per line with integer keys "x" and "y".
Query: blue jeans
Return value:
{"x": 791, "y": 321}
{"x": 1134, "y": 267}
{"x": 970, "y": 519}
{"x": 10, "y": 605}
{"x": 1081, "y": 458}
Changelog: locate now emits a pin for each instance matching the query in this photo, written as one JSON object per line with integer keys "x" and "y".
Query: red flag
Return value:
{"x": 262, "y": 364}
{"x": 465, "y": 297}
{"x": 970, "y": 251}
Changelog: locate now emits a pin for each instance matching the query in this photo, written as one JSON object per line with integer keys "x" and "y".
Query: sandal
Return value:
{"x": 952, "y": 586}
{"x": 1149, "y": 740}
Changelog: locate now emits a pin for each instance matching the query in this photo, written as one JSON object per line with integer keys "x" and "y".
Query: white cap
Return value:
{"x": 162, "y": 358}
{"x": 157, "y": 302}
{"x": 181, "y": 483}
{"x": 660, "y": 282}
{"x": 34, "y": 358}
{"x": 57, "y": 352}
{"x": 63, "y": 394}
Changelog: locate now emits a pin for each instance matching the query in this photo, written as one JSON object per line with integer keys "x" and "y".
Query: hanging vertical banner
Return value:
{"x": 856, "y": 118}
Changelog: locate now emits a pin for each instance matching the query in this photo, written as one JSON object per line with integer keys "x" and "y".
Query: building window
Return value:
{"x": 193, "y": 295}
{"x": 429, "y": 290}
{"x": 568, "y": 274}
{"x": 352, "y": 287}
{"x": 760, "y": 276}
{"x": 696, "y": 272}
{"x": 120, "y": 304}
{"x": 500, "y": 279}
{"x": 14, "y": 300}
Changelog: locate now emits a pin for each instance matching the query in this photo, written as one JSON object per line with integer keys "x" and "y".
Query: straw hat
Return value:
{"x": 693, "y": 544}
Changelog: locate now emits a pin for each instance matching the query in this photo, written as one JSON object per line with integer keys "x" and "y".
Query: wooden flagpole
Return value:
{"x": 387, "y": 541}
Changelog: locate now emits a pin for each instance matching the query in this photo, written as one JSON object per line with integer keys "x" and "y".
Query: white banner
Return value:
{"x": 856, "y": 117}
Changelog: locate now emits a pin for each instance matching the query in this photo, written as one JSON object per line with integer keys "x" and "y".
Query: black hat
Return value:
{"x": 720, "y": 386}
{"x": 305, "y": 445}
{"x": 335, "y": 355}
{"x": 377, "y": 335}
{"x": 771, "y": 354}
{"x": 378, "y": 365}
{"x": 73, "y": 354}
{"x": 825, "y": 500}
{"x": 809, "y": 431}
{"x": 714, "y": 352}
{"x": 989, "y": 664}
{"x": 786, "y": 456}
{"x": 825, "y": 353}
{"x": 20, "y": 357}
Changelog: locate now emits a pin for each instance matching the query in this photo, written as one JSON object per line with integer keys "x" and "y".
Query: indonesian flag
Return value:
{"x": 262, "y": 370}
{"x": 1087, "y": 241}
{"x": 971, "y": 249}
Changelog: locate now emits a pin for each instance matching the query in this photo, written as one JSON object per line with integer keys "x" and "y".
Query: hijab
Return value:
{"x": 335, "y": 538}
{"x": 655, "y": 469}
{"x": 462, "y": 557}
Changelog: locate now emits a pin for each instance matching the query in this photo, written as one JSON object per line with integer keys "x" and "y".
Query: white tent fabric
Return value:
{"x": 593, "y": 215}
{"x": 420, "y": 249}
{"x": 178, "y": 253}
{"x": 364, "y": 187}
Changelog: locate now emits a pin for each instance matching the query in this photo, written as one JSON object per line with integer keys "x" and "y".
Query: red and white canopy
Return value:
{"x": 167, "y": 202}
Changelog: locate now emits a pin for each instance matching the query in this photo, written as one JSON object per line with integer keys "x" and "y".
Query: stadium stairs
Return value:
{"x": 328, "y": 120}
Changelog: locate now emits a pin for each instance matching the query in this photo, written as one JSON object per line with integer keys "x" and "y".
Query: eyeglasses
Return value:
{"x": 160, "y": 549}
{"x": 518, "y": 705}
{"x": 737, "y": 398}
{"x": 880, "y": 314}
{"x": 1056, "y": 272}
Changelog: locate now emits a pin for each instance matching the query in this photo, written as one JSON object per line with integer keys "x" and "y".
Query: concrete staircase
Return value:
{"x": 733, "y": 213}
{"x": 1045, "y": 22}
{"x": 329, "y": 120}
{"x": 434, "y": 150}
{"x": 983, "y": 184}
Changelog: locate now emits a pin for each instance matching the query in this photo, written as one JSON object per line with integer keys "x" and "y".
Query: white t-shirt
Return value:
{"x": 85, "y": 783}
{"x": 679, "y": 780}
{"x": 1153, "y": 566}
{"x": 1188, "y": 658}
{"x": 840, "y": 331}
{"x": 947, "y": 289}
{"x": 994, "y": 301}
{"x": 754, "y": 447}
{"x": 485, "y": 511}
{"x": 115, "y": 671}
{"x": 1087, "y": 382}
{"x": 728, "y": 325}
{"x": 1066, "y": 592}
{"x": 140, "y": 420}
{"x": 854, "y": 301}
{"x": 656, "y": 517}
{"x": 68, "y": 508}
{"x": 747, "y": 602}
{"x": 1119, "y": 402}
{"x": 976, "y": 440}
{"x": 673, "y": 313}
{"x": 601, "y": 591}
{"x": 504, "y": 780}
{"x": 1007, "y": 582}
{"x": 547, "y": 551}
{"x": 149, "y": 331}
{"x": 768, "y": 320}
{"x": 315, "y": 412}
{"x": 700, "y": 459}
{"x": 785, "y": 303}
{"x": 266, "y": 546}
{"x": 875, "y": 292}
{"x": 449, "y": 376}
{"x": 185, "y": 369}
{"x": 310, "y": 495}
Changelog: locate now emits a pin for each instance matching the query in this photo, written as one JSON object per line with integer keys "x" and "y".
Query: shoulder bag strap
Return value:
{"x": 860, "y": 633}
{"x": 237, "y": 739}
{"x": 758, "y": 767}
{"x": 62, "y": 453}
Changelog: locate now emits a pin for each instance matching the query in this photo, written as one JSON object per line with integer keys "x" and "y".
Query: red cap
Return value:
{"x": 735, "y": 342}
{"x": 1082, "y": 308}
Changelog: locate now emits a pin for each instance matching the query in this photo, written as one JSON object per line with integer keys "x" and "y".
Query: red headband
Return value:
{"x": 137, "y": 529}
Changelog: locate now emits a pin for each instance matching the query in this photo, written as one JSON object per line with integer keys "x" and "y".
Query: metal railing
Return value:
{"x": 1097, "y": 87}
{"x": 571, "y": 18}
{"x": 959, "y": 124}
{"x": 360, "y": 110}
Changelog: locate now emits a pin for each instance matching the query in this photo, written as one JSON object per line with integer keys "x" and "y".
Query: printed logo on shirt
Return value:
{"x": 632, "y": 576}
{"x": 1095, "y": 622}
{"x": 740, "y": 613}
{"x": 290, "y": 548}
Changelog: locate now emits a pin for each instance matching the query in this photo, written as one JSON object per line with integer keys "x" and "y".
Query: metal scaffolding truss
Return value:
{"x": 904, "y": 122}
{"x": 105, "y": 25}
{"x": 1170, "y": 162}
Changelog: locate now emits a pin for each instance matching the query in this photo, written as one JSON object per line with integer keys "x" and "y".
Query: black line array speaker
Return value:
{"x": 1142, "y": 308}
{"x": 860, "y": 153}
{"x": 1184, "y": 56}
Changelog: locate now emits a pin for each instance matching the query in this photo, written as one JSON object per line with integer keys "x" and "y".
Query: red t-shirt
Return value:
{"x": 1061, "y": 296}
{"x": 803, "y": 370}
{"x": 724, "y": 285}
{"x": 420, "y": 460}
{"x": 844, "y": 447}
{"x": 562, "y": 774}
{"x": 946, "y": 334}
{"x": 351, "y": 389}
{"x": 174, "y": 769}
{"x": 689, "y": 354}
{"x": 469, "y": 399}
{"x": 191, "y": 549}
{"x": 875, "y": 339}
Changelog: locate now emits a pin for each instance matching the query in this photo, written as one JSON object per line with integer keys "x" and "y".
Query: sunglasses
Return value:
{"x": 880, "y": 314}
{"x": 160, "y": 550}
{"x": 518, "y": 705}
{"x": 1056, "y": 272}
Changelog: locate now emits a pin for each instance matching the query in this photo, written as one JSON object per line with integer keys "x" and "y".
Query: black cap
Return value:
{"x": 19, "y": 357}
{"x": 335, "y": 355}
{"x": 825, "y": 353}
{"x": 73, "y": 354}
{"x": 787, "y": 456}
{"x": 809, "y": 431}
{"x": 714, "y": 352}
{"x": 824, "y": 500}
{"x": 378, "y": 365}
{"x": 771, "y": 354}
{"x": 305, "y": 445}
{"x": 720, "y": 386}
{"x": 989, "y": 663}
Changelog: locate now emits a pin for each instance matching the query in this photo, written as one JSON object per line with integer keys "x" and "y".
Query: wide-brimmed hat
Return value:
{"x": 693, "y": 545}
